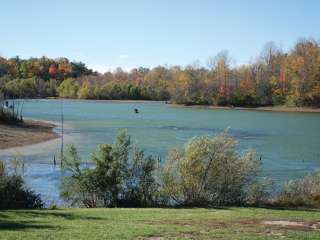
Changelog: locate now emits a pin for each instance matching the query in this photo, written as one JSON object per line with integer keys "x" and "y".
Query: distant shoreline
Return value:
{"x": 265, "y": 109}
{"x": 29, "y": 133}
{"x": 97, "y": 100}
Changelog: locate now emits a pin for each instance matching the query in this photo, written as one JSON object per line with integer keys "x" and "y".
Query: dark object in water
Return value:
{"x": 136, "y": 110}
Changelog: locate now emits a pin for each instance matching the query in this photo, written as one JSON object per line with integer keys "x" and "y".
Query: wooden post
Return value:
{"x": 61, "y": 153}
{"x": 54, "y": 160}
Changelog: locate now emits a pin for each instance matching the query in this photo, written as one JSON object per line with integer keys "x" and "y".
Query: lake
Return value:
{"x": 289, "y": 143}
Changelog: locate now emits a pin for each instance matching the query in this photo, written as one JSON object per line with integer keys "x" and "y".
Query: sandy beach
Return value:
{"x": 28, "y": 133}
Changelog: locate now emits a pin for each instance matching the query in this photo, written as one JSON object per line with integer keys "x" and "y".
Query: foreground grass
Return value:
{"x": 155, "y": 224}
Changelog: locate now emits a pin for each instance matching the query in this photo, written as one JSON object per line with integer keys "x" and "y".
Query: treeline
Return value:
{"x": 275, "y": 77}
{"x": 37, "y": 77}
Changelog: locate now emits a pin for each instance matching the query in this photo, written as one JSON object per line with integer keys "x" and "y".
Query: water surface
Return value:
{"x": 288, "y": 142}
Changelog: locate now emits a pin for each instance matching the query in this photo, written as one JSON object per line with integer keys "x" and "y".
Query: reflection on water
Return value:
{"x": 288, "y": 142}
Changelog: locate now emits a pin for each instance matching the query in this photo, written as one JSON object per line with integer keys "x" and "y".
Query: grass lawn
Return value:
{"x": 157, "y": 224}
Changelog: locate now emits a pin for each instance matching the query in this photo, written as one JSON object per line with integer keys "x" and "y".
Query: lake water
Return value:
{"x": 288, "y": 142}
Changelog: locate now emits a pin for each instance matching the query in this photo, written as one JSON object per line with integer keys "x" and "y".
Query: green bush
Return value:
{"x": 14, "y": 194}
{"x": 303, "y": 192}
{"x": 122, "y": 176}
{"x": 207, "y": 171}
{"x": 141, "y": 185}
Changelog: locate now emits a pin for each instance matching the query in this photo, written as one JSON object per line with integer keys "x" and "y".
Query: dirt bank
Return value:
{"x": 30, "y": 132}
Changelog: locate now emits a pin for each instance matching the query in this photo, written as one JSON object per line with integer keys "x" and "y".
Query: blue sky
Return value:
{"x": 106, "y": 34}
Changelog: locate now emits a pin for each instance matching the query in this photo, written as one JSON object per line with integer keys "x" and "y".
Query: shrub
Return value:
{"x": 14, "y": 194}
{"x": 303, "y": 192}
{"x": 259, "y": 193}
{"x": 80, "y": 187}
{"x": 121, "y": 177}
{"x": 207, "y": 171}
{"x": 112, "y": 169}
{"x": 141, "y": 185}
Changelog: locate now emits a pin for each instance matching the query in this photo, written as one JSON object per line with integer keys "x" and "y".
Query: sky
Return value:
{"x": 105, "y": 34}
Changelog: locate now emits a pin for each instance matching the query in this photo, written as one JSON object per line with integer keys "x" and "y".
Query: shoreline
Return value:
{"x": 99, "y": 100}
{"x": 263, "y": 109}
{"x": 29, "y": 133}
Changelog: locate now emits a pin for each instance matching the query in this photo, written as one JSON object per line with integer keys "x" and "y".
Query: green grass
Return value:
{"x": 88, "y": 224}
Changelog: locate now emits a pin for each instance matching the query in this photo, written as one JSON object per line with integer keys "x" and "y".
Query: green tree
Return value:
{"x": 142, "y": 188}
{"x": 120, "y": 177}
{"x": 86, "y": 91}
{"x": 80, "y": 186}
{"x": 68, "y": 88}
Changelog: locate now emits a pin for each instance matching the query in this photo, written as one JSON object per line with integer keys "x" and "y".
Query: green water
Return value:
{"x": 288, "y": 142}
